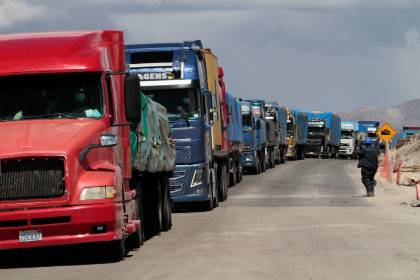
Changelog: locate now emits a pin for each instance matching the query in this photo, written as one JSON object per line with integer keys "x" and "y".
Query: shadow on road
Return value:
{"x": 52, "y": 256}
{"x": 86, "y": 254}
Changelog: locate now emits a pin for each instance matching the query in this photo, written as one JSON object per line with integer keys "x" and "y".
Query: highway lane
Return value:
{"x": 302, "y": 220}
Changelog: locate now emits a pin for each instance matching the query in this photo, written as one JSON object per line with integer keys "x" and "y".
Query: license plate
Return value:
{"x": 30, "y": 235}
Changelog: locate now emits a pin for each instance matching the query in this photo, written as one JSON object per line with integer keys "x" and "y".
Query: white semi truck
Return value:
{"x": 348, "y": 141}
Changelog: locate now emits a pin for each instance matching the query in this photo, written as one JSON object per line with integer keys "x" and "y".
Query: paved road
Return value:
{"x": 302, "y": 220}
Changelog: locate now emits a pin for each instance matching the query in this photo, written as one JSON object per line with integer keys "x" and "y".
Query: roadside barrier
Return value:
{"x": 386, "y": 166}
{"x": 399, "y": 173}
{"x": 416, "y": 203}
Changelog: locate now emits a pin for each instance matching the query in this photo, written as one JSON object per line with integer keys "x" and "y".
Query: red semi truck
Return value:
{"x": 67, "y": 112}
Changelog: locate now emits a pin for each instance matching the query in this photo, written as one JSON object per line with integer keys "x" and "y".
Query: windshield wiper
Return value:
{"x": 59, "y": 115}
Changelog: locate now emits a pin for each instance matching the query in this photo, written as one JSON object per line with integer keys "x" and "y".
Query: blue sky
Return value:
{"x": 316, "y": 55}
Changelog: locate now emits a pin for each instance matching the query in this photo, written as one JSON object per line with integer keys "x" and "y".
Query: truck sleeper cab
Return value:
{"x": 174, "y": 75}
{"x": 323, "y": 134}
{"x": 253, "y": 157}
{"x": 65, "y": 149}
{"x": 276, "y": 117}
{"x": 348, "y": 140}
{"x": 235, "y": 138}
{"x": 297, "y": 134}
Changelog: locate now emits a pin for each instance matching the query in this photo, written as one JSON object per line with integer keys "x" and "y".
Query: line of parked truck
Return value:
{"x": 99, "y": 140}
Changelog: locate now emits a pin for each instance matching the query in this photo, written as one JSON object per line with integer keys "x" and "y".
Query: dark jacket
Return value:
{"x": 368, "y": 157}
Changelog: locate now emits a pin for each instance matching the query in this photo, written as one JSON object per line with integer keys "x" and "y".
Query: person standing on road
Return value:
{"x": 368, "y": 162}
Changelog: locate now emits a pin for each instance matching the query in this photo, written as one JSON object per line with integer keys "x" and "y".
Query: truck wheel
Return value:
{"x": 233, "y": 176}
{"x": 115, "y": 251}
{"x": 216, "y": 194}
{"x": 153, "y": 208}
{"x": 223, "y": 180}
{"x": 271, "y": 159}
{"x": 257, "y": 169}
{"x": 263, "y": 163}
{"x": 137, "y": 238}
{"x": 300, "y": 153}
{"x": 167, "y": 206}
{"x": 209, "y": 204}
{"x": 283, "y": 156}
{"x": 238, "y": 173}
{"x": 278, "y": 160}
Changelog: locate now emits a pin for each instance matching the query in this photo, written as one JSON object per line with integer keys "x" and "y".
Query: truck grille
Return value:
{"x": 31, "y": 178}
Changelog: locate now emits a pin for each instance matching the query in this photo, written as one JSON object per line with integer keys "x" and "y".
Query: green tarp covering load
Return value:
{"x": 151, "y": 148}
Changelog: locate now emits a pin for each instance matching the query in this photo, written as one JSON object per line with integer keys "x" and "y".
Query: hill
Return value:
{"x": 405, "y": 114}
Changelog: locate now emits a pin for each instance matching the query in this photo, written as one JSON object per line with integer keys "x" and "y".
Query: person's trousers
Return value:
{"x": 368, "y": 179}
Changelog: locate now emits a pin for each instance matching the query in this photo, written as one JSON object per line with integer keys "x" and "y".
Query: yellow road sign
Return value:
{"x": 386, "y": 132}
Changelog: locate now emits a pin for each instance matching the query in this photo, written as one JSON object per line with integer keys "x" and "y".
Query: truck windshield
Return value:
{"x": 372, "y": 134}
{"x": 247, "y": 121}
{"x": 315, "y": 130}
{"x": 180, "y": 103}
{"x": 46, "y": 96}
{"x": 346, "y": 134}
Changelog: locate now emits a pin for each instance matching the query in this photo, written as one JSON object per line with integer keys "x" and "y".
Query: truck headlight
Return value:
{"x": 197, "y": 178}
{"x": 92, "y": 193}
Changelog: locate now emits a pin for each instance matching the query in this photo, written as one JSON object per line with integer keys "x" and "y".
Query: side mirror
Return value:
{"x": 132, "y": 98}
{"x": 106, "y": 140}
{"x": 211, "y": 103}
{"x": 213, "y": 115}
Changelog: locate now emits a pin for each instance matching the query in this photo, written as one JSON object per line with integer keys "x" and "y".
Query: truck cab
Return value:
{"x": 297, "y": 134}
{"x": 65, "y": 175}
{"x": 317, "y": 137}
{"x": 368, "y": 130}
{"x": 348, "y": 140}
{"x": 255, "y": 137}
{"x": 175, "y": 75}
{"x": 323, "y": 134}
{"x": 276, "y": 118}
{"x": 249, "y": 158}
{"x": 235, "y": 138}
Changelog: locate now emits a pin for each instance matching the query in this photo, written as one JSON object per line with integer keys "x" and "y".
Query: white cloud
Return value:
{"x": 13, "y": 12}
{"x": 264, "y": 4}
{"x": 407, "y": 66}
{"x": 324, "y": 54}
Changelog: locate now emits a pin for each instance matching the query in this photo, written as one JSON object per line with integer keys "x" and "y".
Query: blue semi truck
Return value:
{"x": 258, "y": 108}
{"x": 276, "y": 118}
{"x": 172, "y": 75}
{"x": 297, "y": 134}
{"x": 368, "y": 130}
{"x": 324, "y": 129}
{"x": 409, "y": 131}
{"x": 235, "y": 138}
{"x": 253, "y": 157}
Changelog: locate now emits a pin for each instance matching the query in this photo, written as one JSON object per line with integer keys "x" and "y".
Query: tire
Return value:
{"x": 239, "y": 173}
{"x": 215, "y": 194}
{"x": 115, "y": 251}
{"x": 167, "y": 206}
{"x": 301, "y": 153}
{"x": 263, "y": 163}
{"x": 153, "y": 207}
{"x": 136, "y": 240}
{"x": 233, "y": 176}
{"x": 224, "y": 181}
{"x": 209, "y": 204}
{"x": 257, "y": 169}
{"x": 271, "y": 160}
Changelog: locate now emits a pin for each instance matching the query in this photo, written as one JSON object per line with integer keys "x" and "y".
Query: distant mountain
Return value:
{"x": 405, "y": 114}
